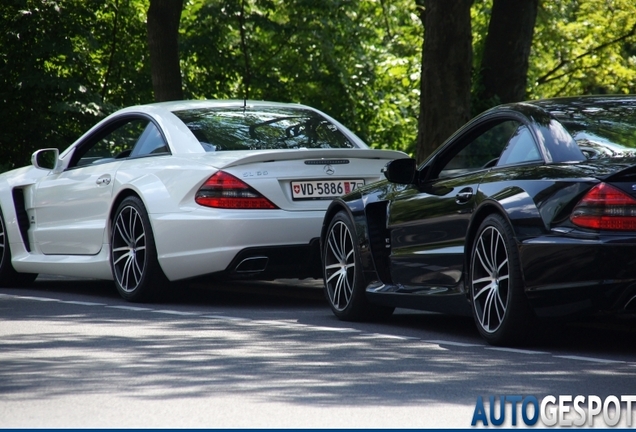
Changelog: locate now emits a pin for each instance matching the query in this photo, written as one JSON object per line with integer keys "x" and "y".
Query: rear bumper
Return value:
{"x": 569, "y": 276}
{"x": 293, "y": 261}
{"x": 237, "y": 243}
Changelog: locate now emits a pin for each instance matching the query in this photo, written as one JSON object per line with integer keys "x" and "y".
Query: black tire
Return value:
{"x": 133, "y": 254}
{"x": 344, "y": 283}
{"x": 500, "y": 306}
{"x": 8, "y": 276}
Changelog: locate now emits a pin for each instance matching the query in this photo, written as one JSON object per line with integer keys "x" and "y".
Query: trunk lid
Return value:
{"x": 306, "y": 179}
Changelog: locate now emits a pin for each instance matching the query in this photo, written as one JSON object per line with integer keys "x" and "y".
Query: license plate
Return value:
{"x": 323, "y": 189}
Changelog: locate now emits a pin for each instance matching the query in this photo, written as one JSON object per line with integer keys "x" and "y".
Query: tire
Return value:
{"x": 8, "y": 276}
{"x": 344, "y": 283}
{"x": 133, "y": 254}
{"x": 499, "y": 304}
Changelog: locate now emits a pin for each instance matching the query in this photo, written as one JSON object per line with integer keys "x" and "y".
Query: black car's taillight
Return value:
{"x": 605, "y": 207}
{"x": 223, "y": 190}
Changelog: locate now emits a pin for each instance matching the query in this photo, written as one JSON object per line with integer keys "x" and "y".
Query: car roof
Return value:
{"x": 224, "y": 103}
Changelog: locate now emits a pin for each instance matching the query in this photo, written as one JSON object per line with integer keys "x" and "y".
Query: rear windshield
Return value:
{"x": 602, "y": 127}
{"x": 270, "y": 128}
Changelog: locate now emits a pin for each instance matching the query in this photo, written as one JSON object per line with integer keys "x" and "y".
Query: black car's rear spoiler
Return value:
{"x": 626, "y": 174}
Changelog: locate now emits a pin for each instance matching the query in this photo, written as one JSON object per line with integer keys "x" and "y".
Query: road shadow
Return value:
{"x": 596, "y": 335}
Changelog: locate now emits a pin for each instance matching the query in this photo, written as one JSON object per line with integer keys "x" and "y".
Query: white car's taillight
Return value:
{"x": 223, "y": 190}
{"x": 605, "y": 207}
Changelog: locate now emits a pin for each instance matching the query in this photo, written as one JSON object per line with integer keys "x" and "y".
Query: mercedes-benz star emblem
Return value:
{"x": 329, "y": 170}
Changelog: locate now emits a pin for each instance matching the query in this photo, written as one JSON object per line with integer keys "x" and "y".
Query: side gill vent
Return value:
{"x": 376, "y": 218}
{"x": 22, "y": 217}
{"x": 327, "y": 162}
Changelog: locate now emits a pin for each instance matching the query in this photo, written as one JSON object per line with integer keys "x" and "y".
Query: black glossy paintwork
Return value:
{"x": 417, "y": 257}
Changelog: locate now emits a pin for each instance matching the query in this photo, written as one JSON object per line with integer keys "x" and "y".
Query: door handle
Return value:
{"x": 464, "y": 195}
{"x": 103, "y": 180}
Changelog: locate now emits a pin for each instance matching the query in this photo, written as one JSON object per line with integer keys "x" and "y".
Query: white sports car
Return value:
{"x": 176, "y": 190}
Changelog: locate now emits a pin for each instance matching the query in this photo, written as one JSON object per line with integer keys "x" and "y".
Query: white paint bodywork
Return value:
{"x": 70, "y": 211}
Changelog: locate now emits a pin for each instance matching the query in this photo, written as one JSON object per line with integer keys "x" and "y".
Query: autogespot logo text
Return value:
{"x": 562, "y": 410}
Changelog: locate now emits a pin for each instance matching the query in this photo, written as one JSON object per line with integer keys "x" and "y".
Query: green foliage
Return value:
{"x": 583, "y": 47}
{"x": 63, "y": 65}
{"x": 357, "y": 61}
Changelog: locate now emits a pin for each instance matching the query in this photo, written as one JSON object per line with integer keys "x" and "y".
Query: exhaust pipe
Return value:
{"x": 252, "y": 265}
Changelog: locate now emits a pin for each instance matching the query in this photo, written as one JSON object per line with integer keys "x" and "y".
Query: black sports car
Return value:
{"x": 524, "y": 212}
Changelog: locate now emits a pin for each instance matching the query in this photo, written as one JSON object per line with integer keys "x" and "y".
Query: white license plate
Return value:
{"x": 323, "y": 188}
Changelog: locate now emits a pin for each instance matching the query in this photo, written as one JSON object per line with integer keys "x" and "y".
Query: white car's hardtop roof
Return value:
{"x": 214, "y": 103}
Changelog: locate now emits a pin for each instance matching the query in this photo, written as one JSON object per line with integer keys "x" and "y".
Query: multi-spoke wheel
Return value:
{"x": 133, "y": 254}
{"x": 499, "y": 304}
{"x": 8, "y": 276}
{"x": 344, "y": 284}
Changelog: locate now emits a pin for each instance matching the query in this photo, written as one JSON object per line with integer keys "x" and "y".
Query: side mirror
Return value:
{"x": 45, "y": 158}
{"x": 401, "y": 171}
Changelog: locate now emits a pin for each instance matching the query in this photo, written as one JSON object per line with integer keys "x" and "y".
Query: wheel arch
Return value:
{"x": 121, "y": 196}
{"x": 334, "y": 208}
{"x": 485, "y": 209}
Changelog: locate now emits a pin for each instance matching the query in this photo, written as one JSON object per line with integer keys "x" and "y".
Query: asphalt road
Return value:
{"x": 271, "y": 354}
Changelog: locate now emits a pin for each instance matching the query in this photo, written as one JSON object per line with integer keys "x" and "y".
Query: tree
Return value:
{"x": 583, "y": 47}
{"x": 504, "y": 64}
{"x": 357, "y": 61}
{"x": 63, "y": 66}
{"x": 163, "y": 44}
{"x": 446, "y": 72}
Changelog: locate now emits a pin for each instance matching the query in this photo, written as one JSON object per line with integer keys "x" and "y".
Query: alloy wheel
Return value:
{"x": 340, "y": 265}
{"x": 490, "y": 279}
{"x": 129, "y": 248}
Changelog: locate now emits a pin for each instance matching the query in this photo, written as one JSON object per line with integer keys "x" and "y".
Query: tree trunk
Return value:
{"x": 163, "y": 37}
{"x": 446, "y": 72}
{"x": 504, "y": 65}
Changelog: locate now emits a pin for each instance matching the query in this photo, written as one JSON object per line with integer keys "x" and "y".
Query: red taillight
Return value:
{"x": 223, "y": 190}
{"x": 605, "y": 207}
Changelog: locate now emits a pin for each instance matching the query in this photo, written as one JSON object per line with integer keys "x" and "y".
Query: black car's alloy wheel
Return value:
{"x": 496, "y": 288}
{"x": 340, "y": 265}
{"x": 344, "y": 284}
{"x": 133, "y": 254}
{"x": 8, "y": 275}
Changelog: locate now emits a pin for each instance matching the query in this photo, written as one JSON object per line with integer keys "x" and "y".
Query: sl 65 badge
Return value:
{"x": 254, "y": 173}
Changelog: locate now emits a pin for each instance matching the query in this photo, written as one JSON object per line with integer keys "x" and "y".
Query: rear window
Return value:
{"x": 272, "y": 128}
{"x": 602, "y": 127}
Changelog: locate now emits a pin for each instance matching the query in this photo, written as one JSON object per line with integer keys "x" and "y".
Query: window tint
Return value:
{"x": 521, "y": 148}
{"x": 126, "y": 138}
{"x": 150, "y": 142}
{"x": 482, "y": 151}
{"x": 116, "y": 142}
{"x": 221, "y": 129}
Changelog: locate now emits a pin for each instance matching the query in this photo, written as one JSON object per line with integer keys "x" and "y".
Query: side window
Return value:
{"x": 150, "y": 142}
{"x": 116, "y": 142}
{"x": 521, "y": 148}
{"x": 482, "y": 151}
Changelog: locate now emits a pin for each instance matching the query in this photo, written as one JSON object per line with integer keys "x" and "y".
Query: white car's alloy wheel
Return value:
{"x": 129, "y": 248}
{"x": 8, "y": 275}
{"x": 136, "y": 271}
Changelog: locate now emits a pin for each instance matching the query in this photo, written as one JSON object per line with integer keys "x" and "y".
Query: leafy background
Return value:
{"x": 65, "y": 64}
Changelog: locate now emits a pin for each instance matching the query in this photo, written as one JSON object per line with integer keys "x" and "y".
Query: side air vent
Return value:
{"x": 376, "y": 218}
{"x": 327, "y": 162}
{"x": 22, "y": 217}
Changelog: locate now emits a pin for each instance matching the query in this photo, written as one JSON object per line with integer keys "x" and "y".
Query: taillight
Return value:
{"x": 605, "y": 207}
{"x": 223, "y": 190}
